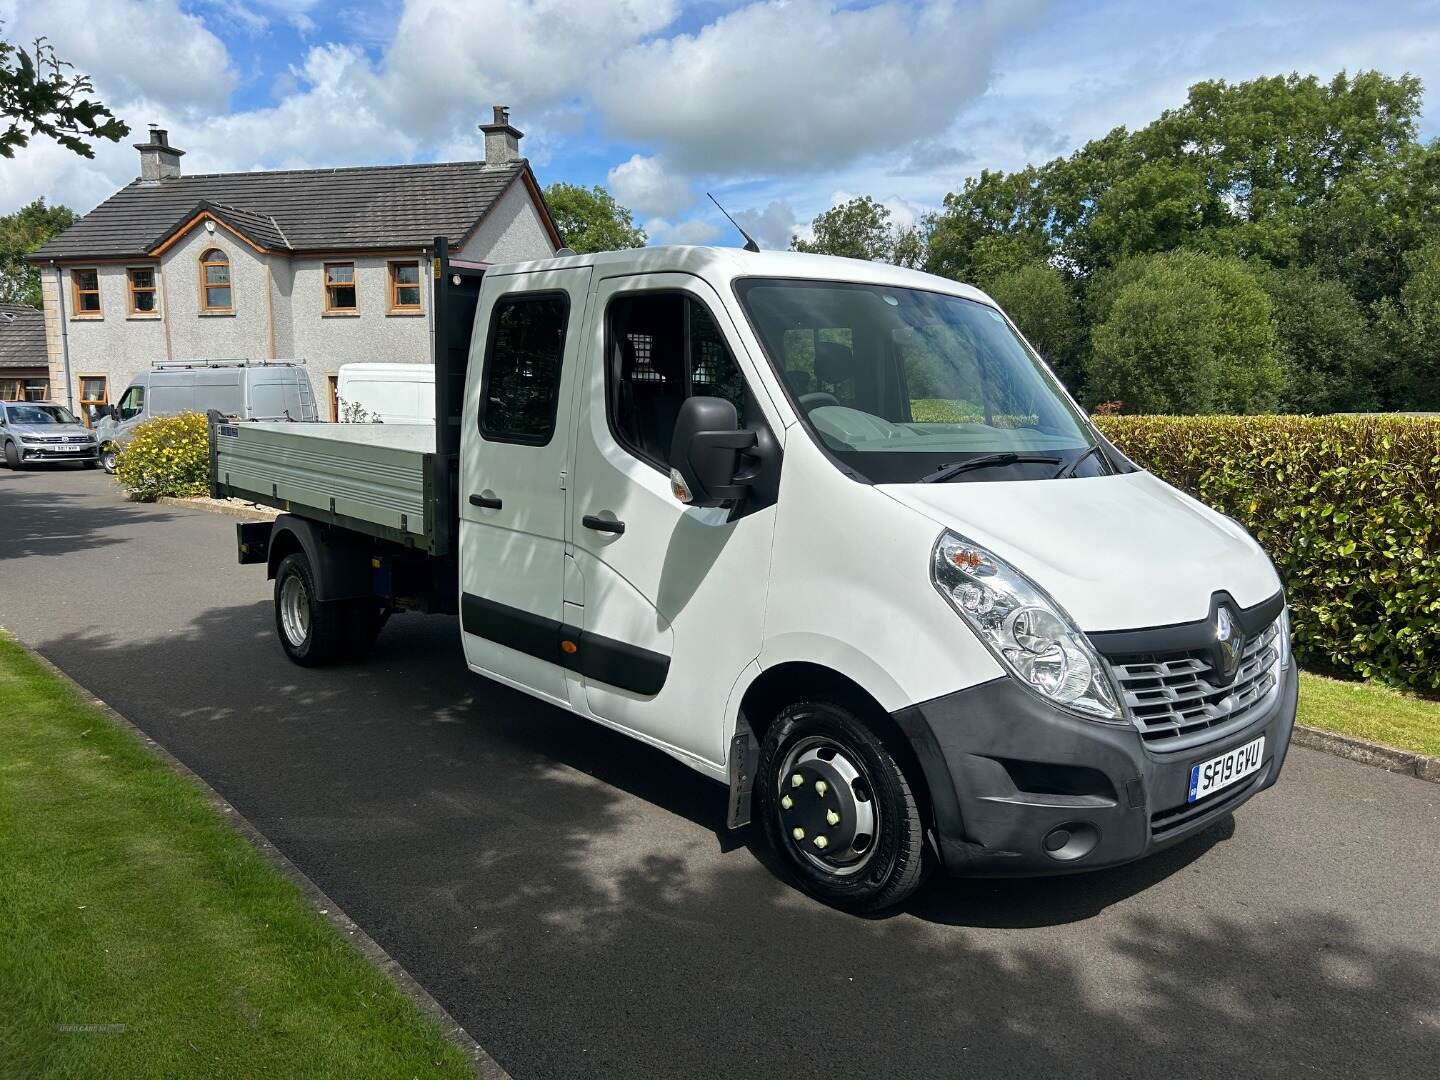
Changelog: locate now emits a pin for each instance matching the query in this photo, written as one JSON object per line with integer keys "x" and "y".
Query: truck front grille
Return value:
{"x": 1176, "y": 701}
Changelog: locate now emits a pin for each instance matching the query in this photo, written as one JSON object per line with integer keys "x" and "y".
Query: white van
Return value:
{"x": 387, "y": 393}
{"x": 244, "y": 389}
{"x": 827, "y": 532}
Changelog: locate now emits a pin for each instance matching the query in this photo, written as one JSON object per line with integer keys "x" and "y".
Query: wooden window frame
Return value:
{"x": 397, "y": 308}
{"x": 205, "y": 286}
{"x": 83, "y": 401}
{"x": 153, "y": 289}
{"x": 353, "y": 284}
{"x": 77, "y": 311}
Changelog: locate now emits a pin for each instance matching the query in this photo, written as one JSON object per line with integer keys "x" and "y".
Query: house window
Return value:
{"x": 142, "y": 290}
{"x": 339, "y": 288}
{"x": 94, "y": 391}
{"x": 215, "y": 292}
{"x": 24, "y": 389}
{"x": 404, "y": 286}
{"x": 86, "y": 285}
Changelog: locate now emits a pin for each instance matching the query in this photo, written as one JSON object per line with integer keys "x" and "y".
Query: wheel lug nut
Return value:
{"x": 832, "y": 818}
{"x": 821, "y": 787}
{"x": 798, "y": 833}
{"x": 797, "y": 780}
{"x": 821, "y": 842}
{"x": 786, "y": 802}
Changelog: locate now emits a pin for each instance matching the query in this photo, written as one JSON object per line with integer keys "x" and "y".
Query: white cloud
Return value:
{"x": 771, "y": 227}
{"x": 646, "y": 185}
{"x": 134, "y": 50}
{"x": 690, "y": 231}
{"x": 789, "y": 85}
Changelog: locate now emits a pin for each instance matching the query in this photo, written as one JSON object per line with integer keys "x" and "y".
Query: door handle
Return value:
{"x": 600, "y": 524}
{"x": 486, "y": 501}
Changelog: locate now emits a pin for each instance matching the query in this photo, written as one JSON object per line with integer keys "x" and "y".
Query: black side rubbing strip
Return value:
{"x": 604, "y": 659}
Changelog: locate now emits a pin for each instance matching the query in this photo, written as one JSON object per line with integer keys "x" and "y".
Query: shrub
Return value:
{"x": 169, "y": 455}
{"x": 1349, "y": 509}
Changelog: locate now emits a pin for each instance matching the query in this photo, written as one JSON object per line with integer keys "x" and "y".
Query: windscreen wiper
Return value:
{"x": 1069, "y": 470}
{"x": 985, "y": 461}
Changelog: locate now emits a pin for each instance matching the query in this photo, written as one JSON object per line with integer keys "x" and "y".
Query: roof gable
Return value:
{"x": 366, "y": 207}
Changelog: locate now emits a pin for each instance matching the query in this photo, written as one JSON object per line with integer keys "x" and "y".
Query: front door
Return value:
{"x": 672, "y": 597}
{"x": 512, "y": 478}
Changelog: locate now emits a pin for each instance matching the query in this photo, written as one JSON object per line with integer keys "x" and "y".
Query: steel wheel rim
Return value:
{"x": 295, "y": 610}
{"x": 848, "y": 794}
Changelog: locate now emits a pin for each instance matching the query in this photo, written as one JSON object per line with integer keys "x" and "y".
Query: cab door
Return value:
{"x": 671, "y": 597}
{"x": 513, "y": 488}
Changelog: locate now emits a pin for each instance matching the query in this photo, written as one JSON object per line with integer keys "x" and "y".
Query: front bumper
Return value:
{"x": 32, "y": 452}
{"x": 1005, "y": 770}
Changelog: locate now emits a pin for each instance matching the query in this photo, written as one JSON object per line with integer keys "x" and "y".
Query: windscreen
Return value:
{"x": 41, "y": 414}
{"x": 897, "y": 383}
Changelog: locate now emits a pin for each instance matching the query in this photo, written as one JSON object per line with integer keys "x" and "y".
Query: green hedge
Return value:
{"x": 1349, "y": 509}
{"x": 169, "y": 455}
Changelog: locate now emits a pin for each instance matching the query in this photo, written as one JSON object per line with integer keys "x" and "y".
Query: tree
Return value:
{"x": 38, "y": 97}
{"x": 1411, "y": 330}
{"x": 1188, "y": 333}
{"x": 590, "y": 219}
{"x": 1327, "y": 346}
{"x": 22, "y": 232}
{"x": 860, "y": 228}
{"x": 1036, "y": 296}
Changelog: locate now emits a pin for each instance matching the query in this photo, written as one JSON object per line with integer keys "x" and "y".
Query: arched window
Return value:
{"x": 215, "y": 281}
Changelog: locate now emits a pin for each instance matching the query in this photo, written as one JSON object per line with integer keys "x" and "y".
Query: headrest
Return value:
{"x": 834, "y": 362}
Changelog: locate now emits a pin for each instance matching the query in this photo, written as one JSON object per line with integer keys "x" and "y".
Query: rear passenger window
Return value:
{"x": 521, "y": 386}
{"x": 664, "y": 347}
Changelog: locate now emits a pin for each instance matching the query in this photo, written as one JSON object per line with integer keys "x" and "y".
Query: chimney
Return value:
{"x": 158, "y": 159}
{"x": 502, "y": 142}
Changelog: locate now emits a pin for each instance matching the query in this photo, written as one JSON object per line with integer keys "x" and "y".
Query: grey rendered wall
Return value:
{"x": 373, "y": 334}
{"x": 243, "y": 335}
{"x": 511, "y": 232}
{"x": 116, "y": 345}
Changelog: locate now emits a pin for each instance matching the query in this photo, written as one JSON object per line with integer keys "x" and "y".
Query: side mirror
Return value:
{"x": 103, "y": 412}
{"x": 705, "y": 453}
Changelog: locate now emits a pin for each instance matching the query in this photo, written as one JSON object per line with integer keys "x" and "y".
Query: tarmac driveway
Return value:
{"x": 571, "y": 898}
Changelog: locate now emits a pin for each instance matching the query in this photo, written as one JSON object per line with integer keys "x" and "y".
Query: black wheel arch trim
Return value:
{"x": 341, "y": 569}
{"x": 605, "y": 659}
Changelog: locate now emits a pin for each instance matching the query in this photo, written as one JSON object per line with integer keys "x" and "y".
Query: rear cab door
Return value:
{"x": 515, "y": 453}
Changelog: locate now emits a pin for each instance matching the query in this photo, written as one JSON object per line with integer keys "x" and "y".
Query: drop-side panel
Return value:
{"x": 371, "y": 477}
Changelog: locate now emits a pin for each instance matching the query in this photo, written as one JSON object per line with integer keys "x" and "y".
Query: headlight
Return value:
{"x": 1028, "y": 632}
{"x": 1285, "y": 638}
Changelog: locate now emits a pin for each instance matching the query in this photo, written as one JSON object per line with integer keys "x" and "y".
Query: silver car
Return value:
{"x": 34, "y": 431}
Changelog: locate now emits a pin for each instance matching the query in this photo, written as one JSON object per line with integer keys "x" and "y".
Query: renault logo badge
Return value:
{"x": 1229, "y": 646}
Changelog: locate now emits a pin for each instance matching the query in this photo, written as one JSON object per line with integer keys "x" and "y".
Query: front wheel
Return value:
{"x": 12, "y": 456}
{"x": 838, "y": 808}
{"x": 107, "y": 457}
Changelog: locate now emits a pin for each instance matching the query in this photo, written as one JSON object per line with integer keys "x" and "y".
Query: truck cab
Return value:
{"x": 832, "y": 534}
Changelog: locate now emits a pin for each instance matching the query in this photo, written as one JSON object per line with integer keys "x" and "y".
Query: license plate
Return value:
{"x": 68, "y": 449}
{"x": 1210, "y": 776}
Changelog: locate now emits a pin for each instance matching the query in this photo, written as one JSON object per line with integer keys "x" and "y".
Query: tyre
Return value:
{"x": 12, "y": 456}
{"x": 838, "y": 809}
{"x": 90, "y": 464}
{"x": 107, "y": 457}
{"x": 312, "y": 632}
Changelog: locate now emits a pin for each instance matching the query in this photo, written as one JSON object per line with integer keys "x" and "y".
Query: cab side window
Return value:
{"x": 663, "y": 348}
{"x": 133, "y": 403}
{"x": 521, "y": 385}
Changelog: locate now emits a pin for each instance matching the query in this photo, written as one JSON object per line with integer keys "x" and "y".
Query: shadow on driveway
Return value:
{"x": 562, "y": 891}
{"x": 44, "y": 521}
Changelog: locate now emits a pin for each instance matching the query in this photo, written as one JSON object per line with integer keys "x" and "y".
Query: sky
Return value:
{"x": 781, "y": 108}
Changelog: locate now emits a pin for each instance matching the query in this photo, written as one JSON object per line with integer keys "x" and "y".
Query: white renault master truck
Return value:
{"x": 828, "y": 532}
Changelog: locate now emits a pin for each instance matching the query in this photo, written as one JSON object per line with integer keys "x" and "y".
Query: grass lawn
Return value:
{"x": 1372, "y": 712}
{"x": 140, "y": 936}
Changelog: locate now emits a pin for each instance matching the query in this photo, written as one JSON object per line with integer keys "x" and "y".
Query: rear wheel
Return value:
{"x": 312, "y": 631}
{"x": 838, "y": 808}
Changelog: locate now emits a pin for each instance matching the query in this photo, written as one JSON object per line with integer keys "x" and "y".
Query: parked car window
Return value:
{"x": 40, "y": 414}
{"x": 664, "y": 347}
{"x": 521, "y": 386}
{"x": 215, "y": 293}
{"x": 132, "y": 403}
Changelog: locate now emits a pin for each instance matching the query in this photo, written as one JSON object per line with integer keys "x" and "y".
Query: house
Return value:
{"x": 329, "y": 266}
{"x": 24, "y": 365}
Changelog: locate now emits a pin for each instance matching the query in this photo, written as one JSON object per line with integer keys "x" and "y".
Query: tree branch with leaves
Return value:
{"x": 40, "y": 96}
